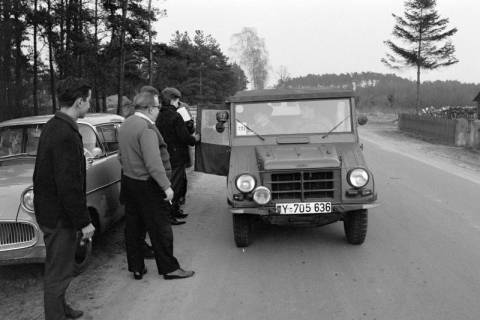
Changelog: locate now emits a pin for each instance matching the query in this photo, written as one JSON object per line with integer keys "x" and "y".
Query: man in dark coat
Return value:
{"x": 178, "y": 138}
{"x": 59, "y": 182}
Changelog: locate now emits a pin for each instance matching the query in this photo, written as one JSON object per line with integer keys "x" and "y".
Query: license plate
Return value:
{"x": 304, "y": 207}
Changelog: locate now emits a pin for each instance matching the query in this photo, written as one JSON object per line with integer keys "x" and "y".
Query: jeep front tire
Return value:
{"x": 355, "y": 224}
{"x": 241, "y": 230}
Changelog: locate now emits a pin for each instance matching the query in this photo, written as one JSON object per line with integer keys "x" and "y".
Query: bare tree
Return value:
{"x": 252, "y": 54}
{"x": 283, "y": 76}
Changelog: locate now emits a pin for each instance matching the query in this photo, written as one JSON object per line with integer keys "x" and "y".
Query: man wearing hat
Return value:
{"x": 147, "y": 190}
{"x": 178, "y": 138}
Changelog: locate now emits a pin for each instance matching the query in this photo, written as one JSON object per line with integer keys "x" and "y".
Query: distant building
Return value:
{"x": 477, "y": 99}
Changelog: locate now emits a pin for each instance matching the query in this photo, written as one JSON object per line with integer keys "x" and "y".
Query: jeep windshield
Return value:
{"x": 293, "y": 117}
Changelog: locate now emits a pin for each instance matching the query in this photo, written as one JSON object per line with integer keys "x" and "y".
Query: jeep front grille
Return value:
{"x": 14, "y": 235}
{"x": 305, "y": 185}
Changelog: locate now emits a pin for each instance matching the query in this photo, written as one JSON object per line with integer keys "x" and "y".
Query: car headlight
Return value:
{"x": 262, "y": 195}
{"x": 27, "y": 200}
{"x": 358, "y": 178}
{"x": 245, "y": 183}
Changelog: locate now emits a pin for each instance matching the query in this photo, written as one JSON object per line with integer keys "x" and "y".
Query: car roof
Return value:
{"x": 91, "y": 118}
{"x": 290, "y": 94}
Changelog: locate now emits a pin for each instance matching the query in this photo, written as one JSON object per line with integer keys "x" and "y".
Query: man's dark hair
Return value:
{"x": 150, "y": 89}
{"x": 70, "y": 89}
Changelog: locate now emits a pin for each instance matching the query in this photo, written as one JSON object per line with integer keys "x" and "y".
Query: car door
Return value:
{"x": 103, "y": 175}
{"x": 212, "y": 154}
{"x": 110, "y": 168}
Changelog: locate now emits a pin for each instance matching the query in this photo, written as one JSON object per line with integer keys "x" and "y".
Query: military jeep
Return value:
{"x": 291, "y": 157}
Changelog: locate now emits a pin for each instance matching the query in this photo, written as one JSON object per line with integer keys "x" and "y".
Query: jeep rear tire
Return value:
{"x": 355, "y": 224}
{"x": 241, "y": 230}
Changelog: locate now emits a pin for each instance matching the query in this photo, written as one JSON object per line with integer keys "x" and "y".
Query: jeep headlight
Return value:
{"x": 262, "y": 195}
{"x": 245, "y": 183}
{"x": 358, "y": 177}
{"x": 27, "y": 200}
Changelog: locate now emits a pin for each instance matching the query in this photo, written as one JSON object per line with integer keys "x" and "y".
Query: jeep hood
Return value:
{"x": 297, "y": 157}
{"x": 14, "y": 179}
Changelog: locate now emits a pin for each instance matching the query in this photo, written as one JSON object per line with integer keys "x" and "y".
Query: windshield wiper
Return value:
{"x": 256, "y": 133}
{"x": 336, "y": 126}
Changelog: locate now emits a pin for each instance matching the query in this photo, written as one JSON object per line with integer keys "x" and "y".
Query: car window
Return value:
{"x": 292, "y": 117}
{"x": 208, "y": 132}
{"x": 32, "y": 137}
{"x": 11, "y": 139}
{"x": 89, "y": 138}
{"x": 109, "y": 136}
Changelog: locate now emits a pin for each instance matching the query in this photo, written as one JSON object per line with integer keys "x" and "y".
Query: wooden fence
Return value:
{"x": 442, "y": 130}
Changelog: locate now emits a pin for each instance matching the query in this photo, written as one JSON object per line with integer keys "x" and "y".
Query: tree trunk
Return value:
{"x": 417, "y": 101}
{"x": 18, "y": 57}
{"x": 35, "y": 61}
{"x": 50, "y": 61}
{"x": 95, "y": 73}
{"x": 150, "y": 53}
{"x": 122, "y": 58}
{"x": 419, "y": 64}
{"x": 5, "y": 57}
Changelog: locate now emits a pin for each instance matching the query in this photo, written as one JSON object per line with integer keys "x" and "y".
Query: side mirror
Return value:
{"x": 222, "y": 116}
{"x": 220, "y": 127}
{"x": 362, "y": 119}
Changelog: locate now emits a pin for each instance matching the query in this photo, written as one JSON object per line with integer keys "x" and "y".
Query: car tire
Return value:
{"x": 83, "y": 253}
{"x": 242, "y": 227}
{"x": 355, "y": 224}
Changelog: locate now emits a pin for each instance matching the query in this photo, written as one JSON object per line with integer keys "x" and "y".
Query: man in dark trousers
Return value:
{"x": 147, "y": 192}
{"x": 60, "y": 195}
{"x": 178, "y": 138}
{"x": 147, "y": 249}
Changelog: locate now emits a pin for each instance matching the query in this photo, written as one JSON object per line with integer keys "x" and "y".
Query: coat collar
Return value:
{"x": 168, "y": 108}
{"x": 67, "y": 119}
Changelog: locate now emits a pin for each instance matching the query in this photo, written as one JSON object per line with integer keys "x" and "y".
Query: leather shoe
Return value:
{"x": 138, "y": 275}
{"x": 71, "y": 313}
{"x": 178, "y": 274}
{"x": 181, "y": 215}
{"x": 175, "y": 222}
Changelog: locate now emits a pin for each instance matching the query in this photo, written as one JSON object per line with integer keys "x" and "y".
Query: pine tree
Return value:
{"x": 426, "y": 37}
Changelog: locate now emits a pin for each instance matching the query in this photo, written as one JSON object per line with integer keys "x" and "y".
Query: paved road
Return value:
{"x": 421, "y": 259}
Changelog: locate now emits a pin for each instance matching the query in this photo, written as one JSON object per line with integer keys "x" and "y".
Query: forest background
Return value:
{"x": 109, "y": 43}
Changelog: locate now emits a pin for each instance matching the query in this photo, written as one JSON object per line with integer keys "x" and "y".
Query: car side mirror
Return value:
{"x": 362, "y": 119}
{"x": 96, "y": 152}
{"x": 220, "y": 127}
{"x": 222, "y": 116}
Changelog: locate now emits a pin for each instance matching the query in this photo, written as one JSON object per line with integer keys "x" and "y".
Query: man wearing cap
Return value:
{"x": 178, "y": 138}
{"x": 147, "y": 190}
{"x": 60, "y": 195}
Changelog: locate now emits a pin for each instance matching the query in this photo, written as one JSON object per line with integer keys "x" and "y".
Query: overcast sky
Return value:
{"x": 320, "y": 36}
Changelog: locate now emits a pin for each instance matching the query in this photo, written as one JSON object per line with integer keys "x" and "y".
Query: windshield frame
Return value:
{"x": 351, "y": 117}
